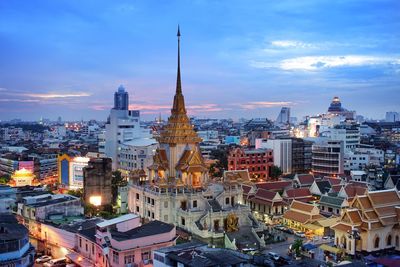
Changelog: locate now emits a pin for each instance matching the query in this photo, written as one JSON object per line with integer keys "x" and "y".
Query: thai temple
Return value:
{"x": 178, "y": 189}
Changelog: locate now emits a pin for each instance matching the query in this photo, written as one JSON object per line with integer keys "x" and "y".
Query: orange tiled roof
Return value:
{"x": 365, "y": 203}
{"x": 275, "y": 186}
{"x": 371, "y": 215}
{"x": 384, "y": 197}
{"x": 301, "y": 206}
{"x": 296, "y": 216}
{"x": 390, "y": 220}
{"x": 376, "y": 225}
{"x": 342, "y": 227}
{"x": 354, "y": 216}
{"x": 298, "y": 192}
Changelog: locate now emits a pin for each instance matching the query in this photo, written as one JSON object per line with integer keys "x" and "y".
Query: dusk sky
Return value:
{"x": 239, "y": 58}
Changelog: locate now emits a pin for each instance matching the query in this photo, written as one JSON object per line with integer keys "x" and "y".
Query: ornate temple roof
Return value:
{"x": 178, "y": 129}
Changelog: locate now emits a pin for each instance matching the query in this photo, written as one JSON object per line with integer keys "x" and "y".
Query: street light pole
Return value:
{"x": 355, "y": 235}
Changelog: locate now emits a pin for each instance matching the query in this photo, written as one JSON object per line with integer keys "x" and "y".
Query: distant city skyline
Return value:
{"x": 238, "y": 60}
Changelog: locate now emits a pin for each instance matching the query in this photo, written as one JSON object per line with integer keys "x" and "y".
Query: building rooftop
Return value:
{"x": 10, "y": 229}
{"x": 148, "y": 229}
{"x": 119, "y": 219}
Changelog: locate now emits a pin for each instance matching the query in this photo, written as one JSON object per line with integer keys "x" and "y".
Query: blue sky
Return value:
{"x": 239, "y": 58}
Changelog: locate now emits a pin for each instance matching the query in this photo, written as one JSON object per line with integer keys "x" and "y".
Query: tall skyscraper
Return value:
{"x": 392, "y": 116}
{"x": 121, "y": 99}
{"x": 283, "y": 117}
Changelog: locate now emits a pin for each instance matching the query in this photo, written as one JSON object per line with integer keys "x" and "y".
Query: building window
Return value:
{"x": 152, "y": 215}
{"x": 86, "y": 247}
{"x": 227, "y": 200}
{"x": 165, "y": 218}
{"x": 148, "y": 213}
{"x": 145, "y": 256}
{"x": 137, "y": 208}
{"x": 165, "y": 204}
{"x": 182, "y": 221}
{"x": 152, "y": 201}
{"x": 159, "y": 258}
{"x": 129, "y": 259}
{"x": 389, "y": 240}
{"x": 115, "y": 257}
{"x": 80, "y": 242}
{"x": 376, "y": 243}
{"x": 194, "y": 203}
{"x": 137, "y": 196}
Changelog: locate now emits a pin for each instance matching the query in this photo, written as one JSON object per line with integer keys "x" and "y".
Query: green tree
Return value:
{"x": 116, "y": 181}
{"x": 90, "y": 209}
{"x": 76, "y": 193}
{"x": 275, "y": 172}
{"x": 5, "y": 179}
{"x": 297, "y": 245}
{"x": 217, "y": 169}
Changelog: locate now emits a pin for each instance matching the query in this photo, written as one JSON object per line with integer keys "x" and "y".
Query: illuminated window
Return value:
{"x": 95, "y": 200}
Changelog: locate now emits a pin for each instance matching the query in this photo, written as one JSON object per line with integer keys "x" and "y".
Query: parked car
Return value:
{"x": 273, "y": 255}
{"x": 43, "y": 259}
{"x": 61, "y": 262}
{"x": 288, "y": 230}
{"x": 300, "y": 234}
{"x": 283, "y": 261}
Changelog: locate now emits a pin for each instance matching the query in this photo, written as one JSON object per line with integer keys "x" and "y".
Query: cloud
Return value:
{"x": 291, "y": 44}
{"x": 55, "y": 95}
{"x": 265, "y": 104}
{"x": 312, "y": 63}
{"x": 322, "y": 62}
{"x": 19, "y": 100}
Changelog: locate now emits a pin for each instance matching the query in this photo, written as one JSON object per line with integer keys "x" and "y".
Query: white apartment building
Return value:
{"x": 328, "y": 158}
{"x": 348, "y": 134}
{"x": 282, "y": 152}
{"x": 136, "y": 154}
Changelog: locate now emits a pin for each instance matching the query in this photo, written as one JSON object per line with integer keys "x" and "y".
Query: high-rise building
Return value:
{"x": 283, "y": 117}
{"x": 121, "y": 99}
{"x": 97, "y": 178}
{"x": 122, "y": 125}
{"x": 392, "y": 116}
{"x": 291, "y": 155}
{"x": 336, "y": 108}
{"x": 328, "y": 158}
{"x": 348, "y": 133}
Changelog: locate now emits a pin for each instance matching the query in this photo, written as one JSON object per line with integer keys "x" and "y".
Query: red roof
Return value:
{"x": 274, "y": 186}
{"x": 265, "y": 194}
{"x": 354, "y": 190}
{"x": 305, "y": 179}
{"x": 336, "y": 188}
{"x": 298, "y": 192}
{"x": 333, "y": 180}
{"x": 246, "y": 189}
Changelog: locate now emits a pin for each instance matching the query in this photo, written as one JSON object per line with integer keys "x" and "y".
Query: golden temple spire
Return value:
{"x": 179, "y": 101}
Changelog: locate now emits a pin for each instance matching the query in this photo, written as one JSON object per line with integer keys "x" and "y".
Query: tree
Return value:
{"x": 116, "y": 181}
{"x": 217, "y": 169}
{"x": 275, "y": 172}
{"x": 76, "y": 193}
{"x": 90, "y": 209}
{"x": 297, "y": 245}
{"x": 5, "y": 179}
